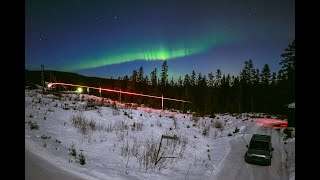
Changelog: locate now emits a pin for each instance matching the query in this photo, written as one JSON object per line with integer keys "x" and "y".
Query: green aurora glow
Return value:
{"x": 151, "y": 51}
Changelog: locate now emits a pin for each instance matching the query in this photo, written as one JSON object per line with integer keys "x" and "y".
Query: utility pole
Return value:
{"x": 162, "y": 101}
{"x": 42, "y": 69}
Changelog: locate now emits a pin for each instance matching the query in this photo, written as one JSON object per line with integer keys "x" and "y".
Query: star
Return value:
{"x": 42, "y": 37}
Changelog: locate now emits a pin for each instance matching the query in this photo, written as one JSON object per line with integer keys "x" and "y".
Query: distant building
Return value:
{"x": 291, "y": 105}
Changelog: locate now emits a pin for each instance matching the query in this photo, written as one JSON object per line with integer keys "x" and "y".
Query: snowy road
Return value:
{"x": 234, "y": 166}
{"x": 116, "y": 149}
{"x": 38, "y": 168}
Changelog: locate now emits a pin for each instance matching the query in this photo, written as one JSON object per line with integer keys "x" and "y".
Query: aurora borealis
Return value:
{"x": 112, "y": 38}
{"x": 150, "y": 52}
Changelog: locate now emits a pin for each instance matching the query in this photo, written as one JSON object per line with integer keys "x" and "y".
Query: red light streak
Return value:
{"x": 117, "y": 91}
{"x": 271, "y": 123}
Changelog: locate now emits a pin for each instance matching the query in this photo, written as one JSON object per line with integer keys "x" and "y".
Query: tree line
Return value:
{"x": 253, "y": 90}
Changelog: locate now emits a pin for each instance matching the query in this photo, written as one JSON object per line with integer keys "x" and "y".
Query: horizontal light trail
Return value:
{"x": 117, "y": 91}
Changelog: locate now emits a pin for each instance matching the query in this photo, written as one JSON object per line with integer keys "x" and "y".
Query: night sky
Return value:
{"x": 111, "y": 38}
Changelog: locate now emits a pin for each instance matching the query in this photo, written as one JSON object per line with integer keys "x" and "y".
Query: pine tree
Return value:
{"x": 288, "y": 62}
{"x": 180, "y": 82}
{"x": 134, "y": 76}
{"x": 246, "y": 86}
{"x": 247, "y": 73}
{"x": 198, "y": 82}
{"x": 273, "y": 79}
{"x": 287, "y": 73}
{"x": 153, "y": 76}
{"x": 256, "y": 78}
{"x": 146, "y": 80}
{"x": 218, "y": 78}
{"x": 140, "y": 74}
{"x": 164, "y": 74}
{"x": 265, "y": 75}
{"x": 164, "y": 78}
{"x": 186, "y": 84}
{"x": 172, "y": 82}
{"x": 193, "y": 78}
{"x": 211, "y": 80}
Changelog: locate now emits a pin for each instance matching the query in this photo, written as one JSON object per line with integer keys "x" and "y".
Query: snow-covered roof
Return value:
{"x": 291, "y": 105}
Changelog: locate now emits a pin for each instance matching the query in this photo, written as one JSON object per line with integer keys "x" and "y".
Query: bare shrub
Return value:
{"x": 120, "y": 136}
{"x": 100, "y": 127}
{"x": 84, "y": 128}
{"x": 45, "y": 137}
{"x": 99, "y": 111}
{"x": 82, "y": 160}
{"x": 137, "y": 126}
{"x": 195, "y": 119}
{"x": 33, "y": 125}
{"x": 236, "y": 130}
{"x": 158, "y": 123}
{"x": 288, "y": 133}
{"x": 92, "y": 124}
{"x": 134, "y": 150}
{"x": 115, "y": 112}
{"x": 205, "y": 131}
{"x": 125, "y": 149}
{"x": 121, "y": 126}
{"x": 79, "y": 121}
{"x": 148, "y": 158}
{"x": 77, "y": 98}
{"x": 101, "y": 102}
{"x": 90, "y": 104}
{"x": 218, "y": 125}
{"x": 114, "y": 106}
{"x": 65, "y": 106}
{"x": 183, "y": 141}
{"x": 109, "y": 128}
{"x": 72, "y": 150}
{"x": 115, "y": 109}
{"x": 175, "y": 123}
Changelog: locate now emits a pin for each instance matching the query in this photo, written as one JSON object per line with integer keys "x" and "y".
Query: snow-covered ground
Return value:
{"x": 121, "y": 141}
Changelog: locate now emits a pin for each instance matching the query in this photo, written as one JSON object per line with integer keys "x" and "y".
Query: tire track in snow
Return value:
{"x": 249, "y": 169}
{"x": 234, "y": 166}
{"x": 283, "y": 155}
{"x": 217, "y": 166}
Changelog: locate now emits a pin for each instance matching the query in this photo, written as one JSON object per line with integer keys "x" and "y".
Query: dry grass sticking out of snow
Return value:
{"x": 117, "y": 140}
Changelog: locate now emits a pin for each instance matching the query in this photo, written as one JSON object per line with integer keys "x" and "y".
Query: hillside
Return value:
{"x": 66, "y": 77}
{"x": 118, "y": 141}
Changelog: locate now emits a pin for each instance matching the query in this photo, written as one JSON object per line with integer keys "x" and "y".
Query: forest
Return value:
{"x": 254, "y": 90}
